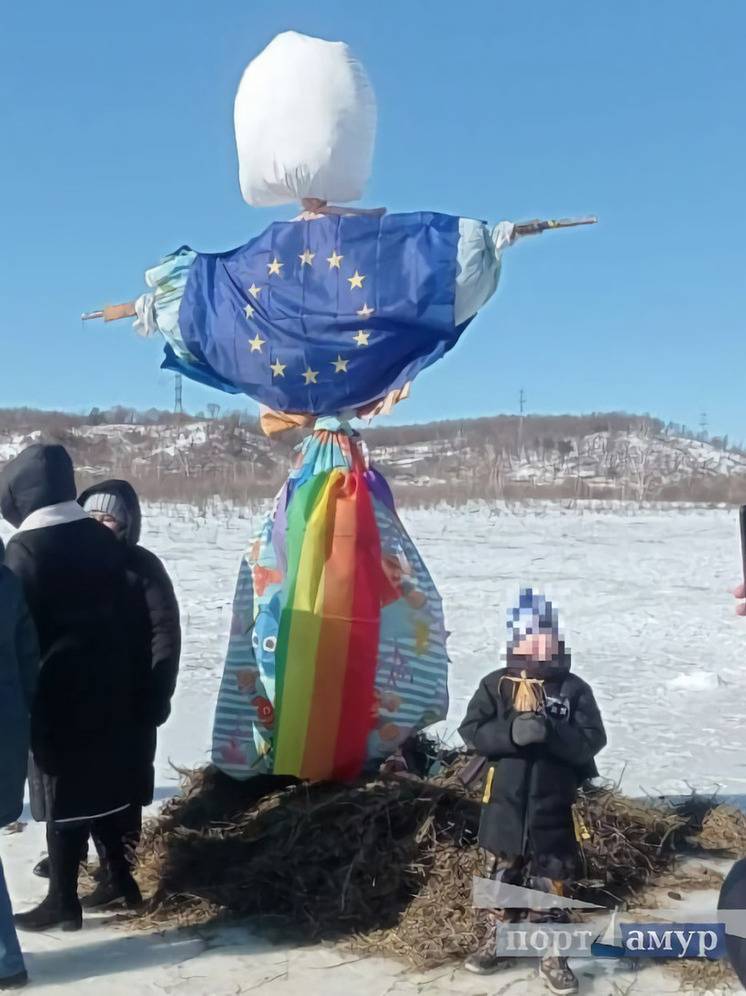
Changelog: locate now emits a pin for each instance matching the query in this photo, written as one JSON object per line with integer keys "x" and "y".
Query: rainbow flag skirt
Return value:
{"x": 337, "y": 651}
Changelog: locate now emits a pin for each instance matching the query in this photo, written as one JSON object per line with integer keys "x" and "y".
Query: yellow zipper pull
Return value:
{"x": 582, "y": 832}
{"x": 488, "y": 784}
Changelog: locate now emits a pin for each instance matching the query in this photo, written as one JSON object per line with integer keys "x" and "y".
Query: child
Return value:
{"x": 539, "y": 728}
{"x": 19, "y": 665}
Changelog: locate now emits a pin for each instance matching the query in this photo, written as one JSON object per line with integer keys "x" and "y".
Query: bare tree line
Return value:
{"x": 608, "y": 456}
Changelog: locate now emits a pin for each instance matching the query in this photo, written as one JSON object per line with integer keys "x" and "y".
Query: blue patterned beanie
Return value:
{"x": 533, "y": 615}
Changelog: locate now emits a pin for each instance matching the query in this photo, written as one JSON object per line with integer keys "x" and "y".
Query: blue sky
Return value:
{"x": 117, "y": 147}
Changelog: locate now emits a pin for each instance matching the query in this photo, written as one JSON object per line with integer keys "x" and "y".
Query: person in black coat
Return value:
{"x": 74, "y": 577}
{"x": 156, "y": 652}
{"x": 19, "y": 667}
{"x": 539, "y": 728}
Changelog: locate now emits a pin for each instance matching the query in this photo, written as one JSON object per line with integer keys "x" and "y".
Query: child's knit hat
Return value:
{"x": 533, "y": 615}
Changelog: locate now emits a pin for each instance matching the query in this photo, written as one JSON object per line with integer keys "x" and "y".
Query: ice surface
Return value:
{"x": 643, "y": 598}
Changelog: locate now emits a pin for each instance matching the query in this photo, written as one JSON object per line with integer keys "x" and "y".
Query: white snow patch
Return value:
{"x": 701, "y": 681}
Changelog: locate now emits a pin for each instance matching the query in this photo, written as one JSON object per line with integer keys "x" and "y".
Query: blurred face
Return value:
{"x": 538, "y": 646}
{"x": 106, "y": 520}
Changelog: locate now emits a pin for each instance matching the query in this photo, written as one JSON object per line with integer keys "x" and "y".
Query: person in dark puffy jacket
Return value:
{"x": 539, "y": 728}
{"x": 156, "y": 649}
{"x": 85, "y": 710}
{"x": 19, "y": 665}
{"x": 156, "y": 652}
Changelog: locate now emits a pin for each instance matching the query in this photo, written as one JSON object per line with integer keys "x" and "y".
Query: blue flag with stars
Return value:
{"x": 325, "y": 315}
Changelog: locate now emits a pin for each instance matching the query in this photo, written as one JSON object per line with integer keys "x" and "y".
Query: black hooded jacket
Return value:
{"x": 42, "y": 475}
{"x": 529, "y": 791}
{"x": 157, "y": 640}
{"x": 74, "y": 577}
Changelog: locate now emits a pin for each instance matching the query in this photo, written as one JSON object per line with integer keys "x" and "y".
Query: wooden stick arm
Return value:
{"x": 112, "y": 312}
{"x": 536, "y": 227}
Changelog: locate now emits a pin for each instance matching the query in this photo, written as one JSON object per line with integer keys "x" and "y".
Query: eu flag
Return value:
{"x": 324, "y": 315}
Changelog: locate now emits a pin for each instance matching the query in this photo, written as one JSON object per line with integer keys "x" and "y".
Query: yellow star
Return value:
{"x": 334, "y": 260}
{"x": 256, "y": 343}
{"x": 356, "y": 280}
{"x": 362, "y": 338}
{"x": 340, "y": 365}
{"x": 365, "y": 311}
{"x": 254, "y": 290}
{"x": 311, "y": 376}
{"x": 275, "y": 266}
{"x": 307, "y": 258}
{"x": 249, "y": 311}
{"x": 277, "y": 368}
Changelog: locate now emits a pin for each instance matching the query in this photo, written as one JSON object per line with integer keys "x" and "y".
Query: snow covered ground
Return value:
{"x": 647, "y": 613}
{"x": 644, "y": 596}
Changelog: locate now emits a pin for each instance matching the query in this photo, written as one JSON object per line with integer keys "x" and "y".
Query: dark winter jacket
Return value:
{"x": 156, "y": 642}
{"x": 529, "y": 791}
{"x": 19, "y": 666}
{"x": 74, "y": 577}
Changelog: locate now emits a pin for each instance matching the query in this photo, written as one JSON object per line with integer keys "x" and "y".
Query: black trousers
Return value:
{"x": 115, "y": 837}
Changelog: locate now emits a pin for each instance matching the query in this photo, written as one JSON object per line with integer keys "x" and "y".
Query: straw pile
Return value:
{"x": 631, "y": 843}
{"x": 384, "y": 864}
{"x": 723, "y": 829}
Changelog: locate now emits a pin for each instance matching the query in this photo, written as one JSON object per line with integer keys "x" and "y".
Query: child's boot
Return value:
{"x": 558, "y": 976}
{"x": 486, "y": 962}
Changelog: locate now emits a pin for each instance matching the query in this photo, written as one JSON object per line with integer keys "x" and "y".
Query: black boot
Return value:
{"x": 113, "y": 892}
{"x": 61, "y": 907}
{"x": 41, "y": 869}
{"x": 116, "y": 839}
{"x": 51, "y": 912}
{"x": 17, "y": 981}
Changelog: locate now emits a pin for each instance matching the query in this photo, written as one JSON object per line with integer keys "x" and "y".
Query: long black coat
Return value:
{"x": 75, "y": 581}
{"x": 529, "y": 791}
{"x": 19, "y": 667}
{"x": 155, "y": 637}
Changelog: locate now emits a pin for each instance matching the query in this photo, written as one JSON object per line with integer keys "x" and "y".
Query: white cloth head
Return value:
{"x": 305, "y": 121}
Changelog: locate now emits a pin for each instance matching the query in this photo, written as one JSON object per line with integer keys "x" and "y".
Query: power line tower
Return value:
{"x": 178, "y": 403}
{"x": 522, "y": 409}
{"x": 703, "y": 423}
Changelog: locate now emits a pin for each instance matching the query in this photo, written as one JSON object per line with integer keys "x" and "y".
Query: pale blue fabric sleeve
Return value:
{"x": 478, "y": 265}
{"x": 159, "y": 311}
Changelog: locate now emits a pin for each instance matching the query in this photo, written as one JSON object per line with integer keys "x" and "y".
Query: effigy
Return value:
{"x": 337, "y": 651}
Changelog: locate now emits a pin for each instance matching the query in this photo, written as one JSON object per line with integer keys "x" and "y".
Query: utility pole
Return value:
{"x": 521, "y": 408}
{"x": 178, "y": 404}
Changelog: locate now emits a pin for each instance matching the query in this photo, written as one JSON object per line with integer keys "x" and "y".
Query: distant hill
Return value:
{"x": 191, "y": 458}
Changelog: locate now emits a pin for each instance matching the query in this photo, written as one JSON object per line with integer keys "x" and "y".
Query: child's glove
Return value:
{"x": 528, "y": 728}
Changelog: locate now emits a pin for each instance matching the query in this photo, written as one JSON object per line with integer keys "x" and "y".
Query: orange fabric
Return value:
{"x": 274, "y": 423}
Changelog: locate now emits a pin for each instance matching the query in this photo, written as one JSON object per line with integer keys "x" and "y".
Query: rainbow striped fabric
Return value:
{"x": 337, "y": 651}
{"x": 327, "y": 648}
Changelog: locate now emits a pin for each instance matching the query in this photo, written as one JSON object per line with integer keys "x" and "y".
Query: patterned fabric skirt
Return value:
{"x": 337, "y": 652}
